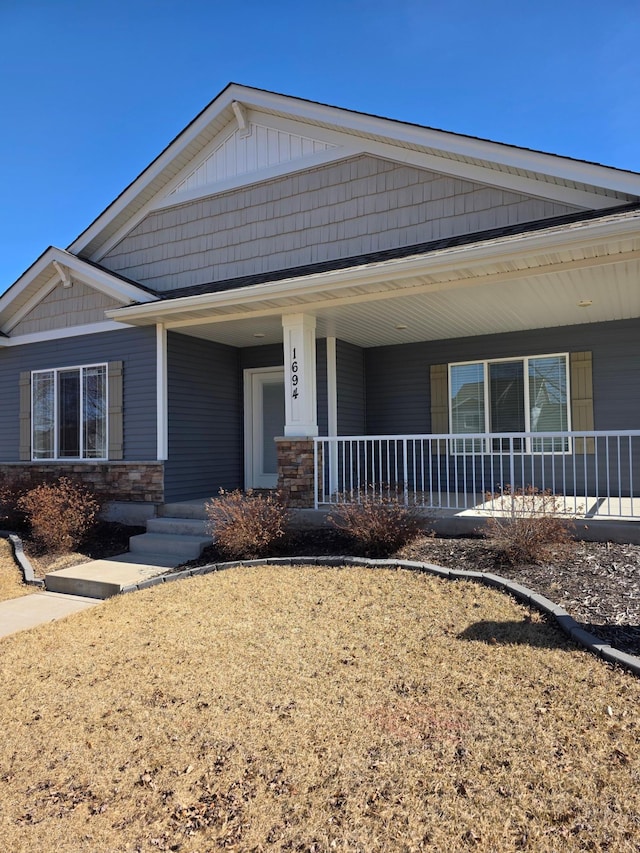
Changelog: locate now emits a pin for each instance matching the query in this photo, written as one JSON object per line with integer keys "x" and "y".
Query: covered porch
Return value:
{"x": 366, "y": 364}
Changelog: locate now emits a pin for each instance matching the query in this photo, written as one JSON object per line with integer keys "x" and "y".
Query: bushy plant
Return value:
{"x": 376, "y": 524}
{"x": 60, "y": 514}
{"x": 527, "y": 525}
{"x": 247, "y": 525}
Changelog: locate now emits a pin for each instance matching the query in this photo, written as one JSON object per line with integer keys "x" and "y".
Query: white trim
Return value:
{"x": 81, "y": 458}
{"x": 517, "y": 158}
{"x": 332, "y": 410}
{"x": 245, "y": 180}
{"x": 69, "y": 332}
{"x": 31, "y": 303}
{"x": 99, "y": 279}
{"x": 253, "y": 425}
{"x": 576, "y": 236}
{"x": 350, "y": 146}
{"x": 162, "y": 412}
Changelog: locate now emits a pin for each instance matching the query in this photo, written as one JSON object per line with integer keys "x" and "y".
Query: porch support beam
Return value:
{"x": 162, "y": 428}
{"x": 299, "y": 342}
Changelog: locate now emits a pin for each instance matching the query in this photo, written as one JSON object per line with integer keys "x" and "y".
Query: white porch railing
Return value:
{"x": 594, "y": 474}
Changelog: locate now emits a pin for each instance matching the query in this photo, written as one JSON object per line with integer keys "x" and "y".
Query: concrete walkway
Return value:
{"x": 27, "y": 611}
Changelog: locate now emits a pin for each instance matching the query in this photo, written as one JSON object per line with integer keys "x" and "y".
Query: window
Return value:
{"x": 510, "y": 396}
{"x": 69, "y": 413}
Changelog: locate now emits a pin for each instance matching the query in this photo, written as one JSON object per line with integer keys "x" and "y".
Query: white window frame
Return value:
{"x": 527, "y": 448}
{"x": 56, "y": 458}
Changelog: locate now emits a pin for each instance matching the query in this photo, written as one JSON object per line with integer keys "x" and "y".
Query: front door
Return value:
{"x": 263, "y": 421}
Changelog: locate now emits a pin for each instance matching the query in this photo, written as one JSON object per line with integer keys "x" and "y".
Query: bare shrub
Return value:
{"x": 247, "y": 525}
{"x": 60, "y": 514}
{"x": 527, "y": 525}
{"x": 378, "y": 524}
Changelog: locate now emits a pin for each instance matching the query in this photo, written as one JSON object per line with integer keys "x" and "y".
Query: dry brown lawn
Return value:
{"x": 11, "y": 582}
{"x": 314, "y": 709}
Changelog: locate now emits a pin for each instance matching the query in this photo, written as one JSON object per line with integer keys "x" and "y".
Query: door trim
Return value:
{"x": 252, "y": 424}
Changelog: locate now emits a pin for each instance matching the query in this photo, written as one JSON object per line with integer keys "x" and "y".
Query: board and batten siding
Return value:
{"x": 66, "y": 306}
{"x": 205, "y": 418}
{"x": 344, "y": 209}
{"x": 135, "y": 348}
{"x": 351, "y": 389}
{"x": 398, "y": 377}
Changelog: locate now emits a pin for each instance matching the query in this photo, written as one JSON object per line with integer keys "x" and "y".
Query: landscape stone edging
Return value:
{"x": 21, "y": 559}
{"x": 564, "y": 621}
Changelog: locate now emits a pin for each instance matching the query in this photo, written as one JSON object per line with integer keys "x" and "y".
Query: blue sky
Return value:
{"x": 90, "y": 92}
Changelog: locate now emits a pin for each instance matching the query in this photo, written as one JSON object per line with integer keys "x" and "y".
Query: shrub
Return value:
{"x": 60, "y": 514}
{"x": 527, "y": 526}
{"x": 246, "y": 525}
{"x": 377, "y": 525}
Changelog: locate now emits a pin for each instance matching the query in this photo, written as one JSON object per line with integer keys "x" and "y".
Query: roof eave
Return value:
{"x": 580, "y": 235}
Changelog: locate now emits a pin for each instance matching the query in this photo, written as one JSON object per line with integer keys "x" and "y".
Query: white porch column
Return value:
{"x": 300, "y": 406}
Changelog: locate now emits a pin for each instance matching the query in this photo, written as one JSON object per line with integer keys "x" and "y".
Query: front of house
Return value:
{"x": 350, "y": 285}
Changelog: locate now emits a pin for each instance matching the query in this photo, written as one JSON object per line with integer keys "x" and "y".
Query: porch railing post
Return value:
{"x": 405, "y": 472}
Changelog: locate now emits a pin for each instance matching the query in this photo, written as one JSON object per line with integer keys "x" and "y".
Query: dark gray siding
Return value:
{"x": 321, "y": 386}
{"x": 351, "y": 389}
{"x": 269, "y": 355}
{"x": 136, "y": 348}
{"x": 397, "y": 377}
{"x": 205, "y": 418}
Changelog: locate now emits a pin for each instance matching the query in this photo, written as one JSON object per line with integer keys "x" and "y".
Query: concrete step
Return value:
{"x": 104, "y": 578}
{"x": 183, "y": 546}
{"x": 184, "y": 509}
{"x": 177, "y": 526}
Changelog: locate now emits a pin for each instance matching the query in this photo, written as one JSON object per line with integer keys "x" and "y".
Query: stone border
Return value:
{"x": 525, "y": 595}
{"x": 21, "y": 559}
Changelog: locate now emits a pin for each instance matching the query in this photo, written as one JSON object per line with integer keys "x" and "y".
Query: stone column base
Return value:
{"x": 296, "y": 471}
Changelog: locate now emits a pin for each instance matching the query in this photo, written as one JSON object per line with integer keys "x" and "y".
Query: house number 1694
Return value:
{"x": 295, "y": 379}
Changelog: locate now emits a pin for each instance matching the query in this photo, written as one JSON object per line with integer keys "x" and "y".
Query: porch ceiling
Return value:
{"x": 425, "y": 309}
{"x": 528, "y": 281}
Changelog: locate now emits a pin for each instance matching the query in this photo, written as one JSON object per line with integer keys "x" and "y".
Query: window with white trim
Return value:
{"x": 69, "y": 413}
{"x": 510, "y": 396}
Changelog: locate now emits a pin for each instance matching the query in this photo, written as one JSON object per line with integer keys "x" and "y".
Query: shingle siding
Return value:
{"x": 136, "y": 348}
{"x": 363, "y": 204}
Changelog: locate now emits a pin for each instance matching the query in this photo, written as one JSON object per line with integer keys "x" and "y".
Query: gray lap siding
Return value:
{"x": 397, "y": 377}
{"x": 205, "y": 418}
{"x": 136, "y": 348}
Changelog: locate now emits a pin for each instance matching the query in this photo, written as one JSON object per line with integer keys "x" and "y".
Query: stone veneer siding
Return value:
{"x": 116, "y": 481}
{"x": 295, "y": 471}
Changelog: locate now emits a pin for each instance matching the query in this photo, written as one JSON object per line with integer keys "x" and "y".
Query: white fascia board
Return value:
{"x": 351, "y": 146}
{"x": 163, "y": 200}
{"x": 67, "y": 332}
{"x": 100, "y": 279}
{"x": 555, "y": 165}
{"x": 498, "y": 249}
{"x": 30, "y": 304}
{"x": 103, "y": 281}
{"x": 184, "y": 139}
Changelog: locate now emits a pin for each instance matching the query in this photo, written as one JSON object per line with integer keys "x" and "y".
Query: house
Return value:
{"x": 394, "y": 304}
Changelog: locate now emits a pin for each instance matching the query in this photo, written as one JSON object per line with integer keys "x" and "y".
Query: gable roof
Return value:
{"x": 587, "y": 185}
{"x": 49, "y": 270}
